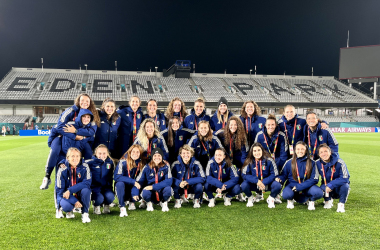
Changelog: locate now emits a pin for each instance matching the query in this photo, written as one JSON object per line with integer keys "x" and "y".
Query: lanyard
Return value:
{"x": 294, "y": 131}
{"x": 246, "y": 124}
{"x": 275, "y": 146}
{"x": 231, "y": 146}
{"x": 324, "y": 175}
{"x": 188, "y": 177}
{"x": 156, "y": 181}
{"x": 220, "y": 173}
{"x": 134, "y": 126}
{"x": 180, "y": 116}
{"x": 195, "y": 122}
{"x": 150, "y": 148}
{"x": 315, "y": 143}
{"x": 298, "y": 175}
{"x": 129, "y": 174}
{"x": 206, "y": 150}
{"x": 261, "y": 171}
{"x": 223, "y": 122}
{"x": 73, "y": 177}
{"x": 75, "y": 116}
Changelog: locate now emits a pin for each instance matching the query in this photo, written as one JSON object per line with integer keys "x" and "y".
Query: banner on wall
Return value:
{"x": 34, "y": 132}
{"x": 354, "y": 130}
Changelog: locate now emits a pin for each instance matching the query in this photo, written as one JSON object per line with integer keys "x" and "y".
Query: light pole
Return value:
{"x": 42, "y": 64}
{"x": 156, "y": 70}
{"x": 255, "y": 71}
{"x": 116, "y": 66}
{"x": 150, "y": 71}
{"x": 80, "y": 68}
{"x": 193, "y": 69}
{"x": 250, "y": 73}
{"x": 86, "y": 66}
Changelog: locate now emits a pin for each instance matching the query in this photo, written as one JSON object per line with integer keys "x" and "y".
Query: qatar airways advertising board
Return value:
{"x": 354, "y": 130}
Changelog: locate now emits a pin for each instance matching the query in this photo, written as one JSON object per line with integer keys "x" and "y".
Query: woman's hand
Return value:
{"x": 183, "y": 184}
{"x": 261, "y": 185}
{"x": 328, "y": 190}
{"x": 294, "y": 189}
{"x": 324, "y": 125}
{"x": 148, "y": 188}
{"x": 137, "y": 185}
{"x": 136, "y": 198}
{"x": 77, "y": 204}
{"x": 79, "y": 138}
{"x": 278, "y": 180}
{"x": 69, "y": 129}
{"x": 66, "y": 194}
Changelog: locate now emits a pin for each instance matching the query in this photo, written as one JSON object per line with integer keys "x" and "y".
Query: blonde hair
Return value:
{"x": 72, "y": 149}
{"x": 201, "y": 100}
{"x": 187, "y": 148}
{"x": 142, "y": 136}
{"x": 134, "y": 96}
{"x": 219, "y": 115}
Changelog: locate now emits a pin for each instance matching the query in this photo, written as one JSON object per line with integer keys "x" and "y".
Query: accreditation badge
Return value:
{"x": 291, "y": 151}
{"x": 108, "y": 166}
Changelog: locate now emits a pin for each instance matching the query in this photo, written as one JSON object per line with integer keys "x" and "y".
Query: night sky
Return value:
{"x": 276, "y": 36}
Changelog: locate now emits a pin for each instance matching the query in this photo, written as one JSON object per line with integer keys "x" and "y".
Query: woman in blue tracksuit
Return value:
{"x": 131, "y": 118}
{"x": 198, "y": 114}
{"x": 221, "y": 116}
{"x": 150, "y": 138}
{"x": 302, "y": 176}
{"x": 221, "y": 177}
{"x": 259, "y": 172}
{"x": 158, "y": 177}
{"x": 188, "y": 177}
{"x": 125, "y": 175}
{"x": 335, "y": 177}
{"x": 274, "y": 141}
{"x": 253, "y": 122}
{"x": 101, "y": 167}
{"x": 314, "y": 135}
{"x": 73, "y": 186}
{"x": 83, "y": 101}
{"x": 175, "y": 137}
{"x": 156, "y": 115}
{"x": 107, "y": 132}
{"x": 204, "y": 143}
{"x": 177, "y": 108}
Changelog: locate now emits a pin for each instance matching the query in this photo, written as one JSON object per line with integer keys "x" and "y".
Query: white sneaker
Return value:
{"x": 278, "y": 200}
{"x": 259, "y": 197}
{"x": 241, "y": 197}
{"x": 196, "y": 203}
{"x": 123, "y": 212}
{"x": 165, "y": 207}
{"x": 126, "y": 203}
{"x": 205, "y": 196}
{"x": 251, "y": 200}
{"x": 184, "y": 200}
{"x": 45, "y": 183}
{"x": 177, "y": 203}
{"x": 211, "y": 202}
{"x": 70, "y": 215}
{"x": 113, "y": 204}
{"x": 142, "y": 204}
{"x": 131, "y": 206}
{"x": 270, "y": 202}
{"x": 77, "y": 210}
{"x": 290, "y": 204}
{"x": 149, "y": 206}
{"x": 328, "y": 204}
{"x": 190, "y": 196}
{"x": 219, "y": 195}
{"x": 341, "y": 208}
{"x": 106, "y": 209}
{"x": 97, "y": 210}
{"x": 59, "y": 214}
{"x": 86, "y": 218}
{"x": 310, "y": 205}
{"x": 227, "y": 201}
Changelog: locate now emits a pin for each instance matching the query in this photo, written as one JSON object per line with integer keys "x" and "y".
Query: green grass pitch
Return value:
{"x": 27, "y": 214}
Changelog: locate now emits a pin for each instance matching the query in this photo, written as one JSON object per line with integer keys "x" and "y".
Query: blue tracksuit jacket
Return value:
{"x": 154, "y": 143}
{"x": 287, "y": 127}
{"x": 340, "y": 176}
{"x": 107, "y": 132}
{"x": 230, "y": 176}
{"x": 201, "y": 154}
{"x": 215, "y": 123}
{"x": 181, "y": 137}
{"x": 102, "y": 174}
{"x": 147, "y": 175}
{"x": 191, "y": 119}
{"x": 269, "y": 169}
{"x": 255, "y": 125}
{"x": 159, "y": 119}
{"x": 128, "y": 175}
{"x": 192, "y": 173}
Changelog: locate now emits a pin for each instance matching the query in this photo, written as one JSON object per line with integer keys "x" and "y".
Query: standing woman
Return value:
{"x": 83, "y": 101}
{"x": 302, "y": 177}
{"x": 158, "y": 177}
{"x": 204, "y": 143}
{"x": 175, "y": 137}
{"x": 221, "y": 176}
{"x": 101, "y": 167}
{"x": 106, "y": 133}
{"x": 14, "y": 130}
{"x": 259, "y": 172}
{"x": 73, "y": 186}
{"x": 177, "y": 108}
{"x": 3, "y": 130}
{"x": 335, "y": 177}
{"x": 274, "y": 141}
{"x": 221, "y": 116}
{"x": 126, "y": 172}
{"x": 188, "y": 177}
{"x": 253, "y": 123}
{"x": 131, "y": 118}
{"x": 198, "y": 114}
{"x": 150, "y": 138}
{"x": 156, "y": 115}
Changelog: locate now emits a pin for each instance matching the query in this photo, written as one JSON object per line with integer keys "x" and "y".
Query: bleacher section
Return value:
{"x": 365, "y": 118}
{"x": 13, "y": 118}
{"x": 50, "y": 118}
{"x": 335, "y": 118}
{"x": 280, "y": 90}
{"x": 20, "y": 85}
{"x": 62, "y": 86}
{"x": 143, "y": 86}
{"x": 213, "y": 89}
{"x": 179, "y": 87}
{"x": 248, "y": 90}
{"x": 103, "y": 86}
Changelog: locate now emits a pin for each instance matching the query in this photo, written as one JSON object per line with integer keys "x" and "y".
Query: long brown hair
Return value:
{"x": 92, "y": 107}
{"x": 170, "y": 110}
{"x": 227, "y": 158}
{"x": 208, "y": 137}
{"x": 257, "y": 110}
{"x": 115, "y": 115}
{"x": 130, "y": 162}
{"x": 250, "y": 158}
{"x": 309, "y": 166}
{"x": 170, "y": 130}
{"x": 152, "y": 164}
{"x": 240, "y": 137}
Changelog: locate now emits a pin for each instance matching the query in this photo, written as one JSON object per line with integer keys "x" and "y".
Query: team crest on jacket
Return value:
{"x": 264, "y": 167}
{"x": 162, "y": 173}
{"x": 180, "y": 137}
{"x": 138, "y": 116}
{"x": 114, "y": 123}
{"x": 163, "y": 122}
{"x": 224, "y": 171}
{"x": 79, "y": 175}
{"x": 158, "y": 123}
{"x": 108, "y": 166}
{"x": 154, "y": 145}
{"x": 298, "y": 127}
{"x": 320, "y": 138}
{"x": 210, "y": 146}
{"x": 260, "y": 125}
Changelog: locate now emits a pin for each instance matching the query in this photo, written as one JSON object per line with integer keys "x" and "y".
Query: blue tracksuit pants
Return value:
{"x": 83, "y": 197}
{"x": 338, "y": 192}
{"x": 195, "y": 189}
{"x": 232, "y": 191}
{"x": 313, "y": 193}
{"x": 274, "y": 188}
{"x": 150, "y": 195}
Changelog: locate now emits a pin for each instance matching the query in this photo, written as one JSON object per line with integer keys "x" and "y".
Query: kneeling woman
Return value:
{"x": 222, "y": 177}
{"x": 188, "y": 177}
{"x": 336, "y": 179}
{"x": 259, "y": 172}
{"x": 101, "y": 167}
{"x": 159, "y": 179}
{"x": 302, "y": 177}
{"x": 126, "y": 172}
{"x": 73, "y": 186}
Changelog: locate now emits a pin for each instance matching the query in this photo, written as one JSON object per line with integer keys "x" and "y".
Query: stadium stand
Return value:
{"x": 365, "y": 118}
{"x": 247, "y": 90}
{"x": 62, "y": 86}
{"x": 20, "y": 85}
{"x": 143, "y": 86}
{"x": 13, "y": 118}
{"x": 50, "y": 118}
{"x": 213, "y": 88}
{"x": 179, "y": 87}
{"x": 103, "y": 86}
